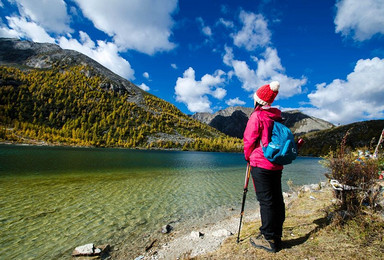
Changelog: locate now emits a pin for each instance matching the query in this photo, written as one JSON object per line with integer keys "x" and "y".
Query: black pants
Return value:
{"x": 272, "y": 208}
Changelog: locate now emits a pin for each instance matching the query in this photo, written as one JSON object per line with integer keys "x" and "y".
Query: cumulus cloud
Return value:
{"x": 146, "y": 75}
{"x": 142, "y": 25}
{"x": 144, "y": 87}
{"x": 173, "y": 65}
{"x": 358, "y": 97}
{"x": 268, "y": 69}
{"x": 360, "y": 19}
{"x": 105, "y": 53}
{"x": 20, "y": 28}
{"x": 194, "y": 93}
{"x": 234, "y": 102}
{"x": 48, "y": 14}
{"x": 254, "y": 33}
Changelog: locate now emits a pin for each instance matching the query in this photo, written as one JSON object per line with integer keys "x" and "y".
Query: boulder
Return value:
{"x": 83, "y": 250}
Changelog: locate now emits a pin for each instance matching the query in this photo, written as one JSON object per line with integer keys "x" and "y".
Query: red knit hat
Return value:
{"x": 266, "y": 94}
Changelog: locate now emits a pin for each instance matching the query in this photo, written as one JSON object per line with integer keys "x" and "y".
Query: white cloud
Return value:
{"x": 268, "y": 69}
{"x": 254, "y": 33}
{"x": 359, "y": 97}
{"x": 219, "y": 93}
{"x": 226, "y": 23}
{"x": 6, "y": 32}
{"x": 195, "y": 93}
{"x": 21, "y": 28}
{"x": 234, "y": 102}
{"x": 173, "y": 65}
{"x": 49, "y": 14}
{"x": 360, "y": 19}
{"x": 206, "y": 30}
{"x": 105, "y": 53}
{"x": 146, "y": 75}
{"x": 142, "y": 25}
{"x": 144, "y": 87}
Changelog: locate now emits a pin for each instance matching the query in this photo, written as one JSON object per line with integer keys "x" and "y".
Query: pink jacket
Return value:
{"x": 260, "y": 125}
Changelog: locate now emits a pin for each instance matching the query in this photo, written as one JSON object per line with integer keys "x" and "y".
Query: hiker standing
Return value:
{"x": 265, "y": 174}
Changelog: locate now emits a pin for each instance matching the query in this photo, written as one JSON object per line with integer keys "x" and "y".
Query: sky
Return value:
{"x": 204, "y": 56}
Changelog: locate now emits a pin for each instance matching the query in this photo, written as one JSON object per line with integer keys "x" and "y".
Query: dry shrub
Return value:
{"x": 358, "y": 178}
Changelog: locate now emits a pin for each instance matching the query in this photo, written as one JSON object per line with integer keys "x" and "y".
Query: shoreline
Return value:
{"x": 197, "y": 241}
{"x": 45, "y": 144}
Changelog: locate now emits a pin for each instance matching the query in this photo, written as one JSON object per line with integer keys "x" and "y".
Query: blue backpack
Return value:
{"x": 282, "y": 149}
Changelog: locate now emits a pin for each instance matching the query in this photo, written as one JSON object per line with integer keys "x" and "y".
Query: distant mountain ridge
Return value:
{"x": 233, "y": 120}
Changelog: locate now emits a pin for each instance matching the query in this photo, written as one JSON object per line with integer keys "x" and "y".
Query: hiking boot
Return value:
{"x": 260, "y": 242}
{"x": 278, "y": 244}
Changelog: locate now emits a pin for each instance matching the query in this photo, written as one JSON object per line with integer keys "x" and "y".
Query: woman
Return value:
{"x": 265, "y": 174}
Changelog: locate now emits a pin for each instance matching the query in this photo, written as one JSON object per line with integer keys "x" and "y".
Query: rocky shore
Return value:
{"x": 199, "y": 241}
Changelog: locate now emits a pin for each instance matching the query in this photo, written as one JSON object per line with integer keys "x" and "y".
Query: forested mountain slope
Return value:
{"x": 363, "y": 135}
{"x": 54, "y": 96}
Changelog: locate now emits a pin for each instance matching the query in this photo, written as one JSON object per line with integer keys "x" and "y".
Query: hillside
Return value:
{"x": 361, "y": 135}
{"x": 61, "y": 97}
{"x": 233, "y": 120}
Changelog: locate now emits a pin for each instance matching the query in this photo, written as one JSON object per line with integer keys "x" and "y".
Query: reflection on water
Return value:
{"x": 53, "y": 199}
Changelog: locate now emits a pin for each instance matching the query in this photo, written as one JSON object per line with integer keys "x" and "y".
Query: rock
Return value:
{"x": 90, "y": 250}
{"x": 286, "y": 195}
{"x": 87, "y": 249}
{"x": 166, "y": 229}
{"x": 315, "y": 187}
{"x": 139, "y": 257}
{"x": 221, "y": 233}
{"x": 311, "y": 187}
{"x": 196, "y": 234}
{"x": 312, "y": 198}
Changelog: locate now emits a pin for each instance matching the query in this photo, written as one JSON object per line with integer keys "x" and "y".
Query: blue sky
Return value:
{"x": 204, "y": 56}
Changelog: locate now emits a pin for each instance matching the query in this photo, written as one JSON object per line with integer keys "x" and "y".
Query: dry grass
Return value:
{"x": 308, "y": 234}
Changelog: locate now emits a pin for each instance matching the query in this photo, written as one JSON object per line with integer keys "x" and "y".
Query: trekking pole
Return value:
{"x": 247, "y": 175}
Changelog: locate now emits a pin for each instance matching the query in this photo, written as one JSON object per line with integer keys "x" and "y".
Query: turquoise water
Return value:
{"x": 53, "y": 199}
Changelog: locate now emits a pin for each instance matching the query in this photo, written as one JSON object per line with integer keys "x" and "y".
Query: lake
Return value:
{"x": 53, "y": 199}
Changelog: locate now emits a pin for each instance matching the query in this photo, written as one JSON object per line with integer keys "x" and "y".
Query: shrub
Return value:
{"x": 357, "y": 177}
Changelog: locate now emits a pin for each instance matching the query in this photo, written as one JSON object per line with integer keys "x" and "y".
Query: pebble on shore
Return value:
{"x": 90, "y": 250}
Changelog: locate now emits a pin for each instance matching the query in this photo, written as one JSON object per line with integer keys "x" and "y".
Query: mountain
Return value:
{"x": 300, "y": 123}
{"x": 233, "y": 120}
{"x": 363, "y": 135}
{"x": 28, "y": 55}
{"x": 61, "y": 97}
